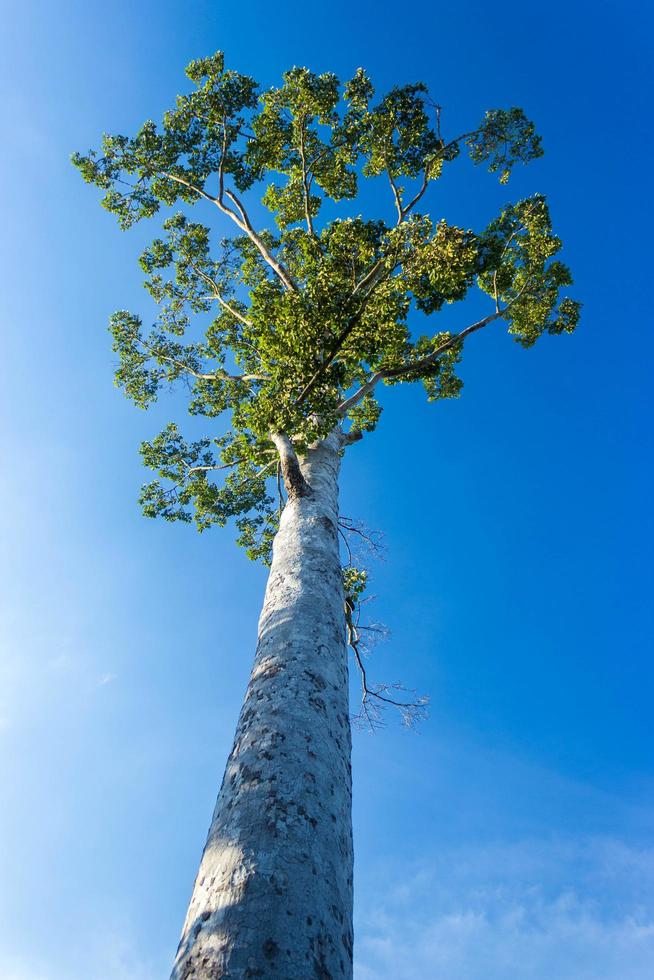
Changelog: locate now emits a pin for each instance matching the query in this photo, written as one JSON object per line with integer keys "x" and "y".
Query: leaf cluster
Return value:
{"x": 292, "y": 328}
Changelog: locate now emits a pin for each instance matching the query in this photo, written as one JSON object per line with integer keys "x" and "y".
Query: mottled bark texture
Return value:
{"x": 273, "y": 896}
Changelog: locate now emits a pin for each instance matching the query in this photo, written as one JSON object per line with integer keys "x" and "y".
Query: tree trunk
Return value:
{"x": 273, "y": 896}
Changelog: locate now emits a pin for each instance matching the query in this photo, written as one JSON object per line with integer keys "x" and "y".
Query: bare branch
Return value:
{"x": 230, "y": 309}
{"x": 372, "y": 540}
{"x": 411, "y": 711}
{"x": 350, "y": 559}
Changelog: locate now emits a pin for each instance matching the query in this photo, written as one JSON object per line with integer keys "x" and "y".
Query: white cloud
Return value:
{"x": 109, "y": 957}
{"x": 13, "y": 969}
{"x": 106, "y": 679}
{"x": 15, "y": 972}
{"x": 534, "y": 910}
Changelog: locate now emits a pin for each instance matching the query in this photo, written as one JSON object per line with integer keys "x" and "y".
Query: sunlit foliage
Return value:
{"x": 292, "y": 328}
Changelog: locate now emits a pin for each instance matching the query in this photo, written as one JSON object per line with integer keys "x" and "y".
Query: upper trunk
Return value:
{"x": 273, "y": 896}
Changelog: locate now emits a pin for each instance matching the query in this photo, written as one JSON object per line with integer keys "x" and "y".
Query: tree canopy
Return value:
{"x": 290, "y": 330}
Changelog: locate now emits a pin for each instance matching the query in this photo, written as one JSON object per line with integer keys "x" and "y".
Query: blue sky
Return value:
{"x": 510, "y": 838}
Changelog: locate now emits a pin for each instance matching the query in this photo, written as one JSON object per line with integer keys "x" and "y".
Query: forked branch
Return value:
{"x": 374, "y": 699}
{"x": 239, "y": 217}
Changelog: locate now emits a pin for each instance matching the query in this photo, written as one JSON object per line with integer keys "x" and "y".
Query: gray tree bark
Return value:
{"x": 273, "y": 896}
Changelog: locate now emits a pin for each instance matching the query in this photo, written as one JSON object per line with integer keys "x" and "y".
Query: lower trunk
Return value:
{"x": 273, "y": 896}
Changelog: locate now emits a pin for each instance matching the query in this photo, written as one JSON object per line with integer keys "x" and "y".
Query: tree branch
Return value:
{"x": 396, "y": 195}
{"x": 412, "y": 366}
{"x": 305, "y": 183}
{"x": 205, "y": 469}
{"x": 216, "y": 295}
{"x": 241, "y": 219}
{"x": 353, "y": 321}
{"x": 245, "y": 225}
{"x": 348, "y": 438}
{"x": 201, "y": 376}
{"x": 296, "y": 485}
{"x": 192, "y": 187}
{"x": 347, "y": 546}
{"x": 371, "y": 539}
{"x": 279, "y": 489}
{"x": 404, "y": 210}
{"x": 412, "y": 203}
{"x": 437, "y": 156}
{"x": 411, "y": 711}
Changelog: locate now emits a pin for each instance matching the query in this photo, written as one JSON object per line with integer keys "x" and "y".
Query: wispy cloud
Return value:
{"x": 534, "y": 910}
{"x": 106, "y": 679}
{"x": 17, "y": 972}
{"x": 108, "y": 957}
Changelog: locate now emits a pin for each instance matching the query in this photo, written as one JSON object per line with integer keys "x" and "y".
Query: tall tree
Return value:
{"x": 282, "y": 340}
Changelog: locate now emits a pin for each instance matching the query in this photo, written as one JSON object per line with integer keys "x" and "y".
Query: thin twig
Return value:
{"x": 411, "y": 711}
